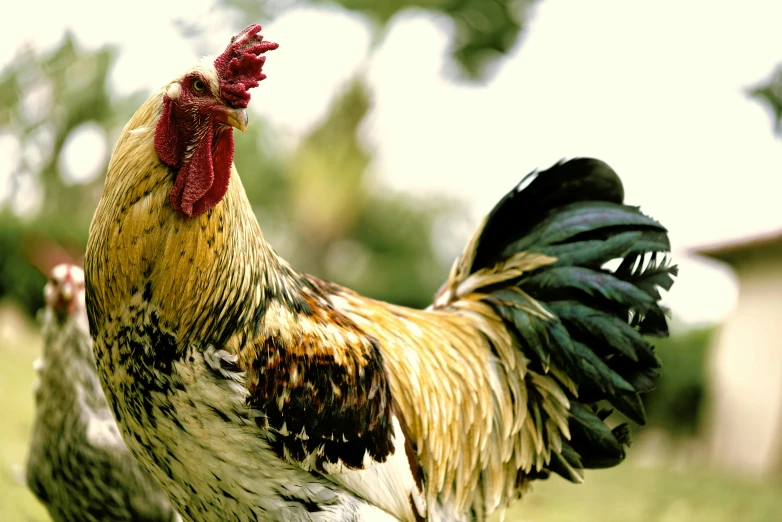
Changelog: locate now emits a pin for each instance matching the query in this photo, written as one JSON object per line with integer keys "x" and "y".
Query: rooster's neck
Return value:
{"x": 199, "y": 275}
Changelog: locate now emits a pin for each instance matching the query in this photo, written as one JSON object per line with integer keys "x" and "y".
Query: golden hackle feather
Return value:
{"x": 461, "y": 383}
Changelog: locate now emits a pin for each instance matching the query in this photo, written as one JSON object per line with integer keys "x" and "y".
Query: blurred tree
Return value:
{"x": 677, "y": 405}
{"x": 319, "y": 212}
{"x": 485, "y": 29}
{"x": 44, "y": 100}
{"x": 254, "y": 10}
{"x": 769, "y": 93}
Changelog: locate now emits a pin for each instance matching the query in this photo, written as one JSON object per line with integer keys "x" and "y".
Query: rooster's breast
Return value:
{"x": 185, "y": 418}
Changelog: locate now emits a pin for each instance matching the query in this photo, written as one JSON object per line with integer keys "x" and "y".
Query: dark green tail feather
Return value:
{"x": 576, "y": 180}
{"x": 574, "y": 212}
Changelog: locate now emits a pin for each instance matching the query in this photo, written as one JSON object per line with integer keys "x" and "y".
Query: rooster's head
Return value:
{"x": 194, "y": 134}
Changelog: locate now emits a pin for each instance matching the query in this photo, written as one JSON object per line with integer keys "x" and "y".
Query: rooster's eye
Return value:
{"x": 198, "y": 86}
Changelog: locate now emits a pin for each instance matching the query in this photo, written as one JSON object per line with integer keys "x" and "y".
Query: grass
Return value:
{"x": 637, "y": 493}
{"x": 19, "y": 347}
{"x": 633, "y": 492}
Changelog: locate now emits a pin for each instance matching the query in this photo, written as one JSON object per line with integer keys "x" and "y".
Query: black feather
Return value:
{"x": 526, "y": 328}
{"x": 599, "y": 372}
{"x": 585, "y": 217}
{"x": 594, "y": 320}
{"x": 631, "y": 406}
{"x": 588, "y": 431}
{"x": 576, "y": 180}
{"x": 655, "y": 274}
{"x": 592, "y": 253}
{"x": 642, "y": 378}
{"x": 560, "y": 282}
{"x": 546, "y": 340}
{"x": 652, "y": 323}
{"x": 608, "y": 330}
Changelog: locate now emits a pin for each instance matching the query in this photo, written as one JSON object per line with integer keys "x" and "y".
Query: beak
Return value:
{"x": 67, "y": 292}
{"x": 235, "y": 118}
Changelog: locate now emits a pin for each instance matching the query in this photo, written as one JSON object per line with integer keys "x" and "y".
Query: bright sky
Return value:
{"x": 656, "y": 90}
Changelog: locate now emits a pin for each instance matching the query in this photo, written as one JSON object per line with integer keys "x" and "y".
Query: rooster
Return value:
{"x": 78, "y": 465}
{"x": 255, "y": 392}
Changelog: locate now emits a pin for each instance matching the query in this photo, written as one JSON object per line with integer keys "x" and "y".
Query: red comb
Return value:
{"x": 239, "y": 67}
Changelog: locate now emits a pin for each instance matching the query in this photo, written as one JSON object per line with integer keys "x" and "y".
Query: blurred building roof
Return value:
{"x": 760, "y": 245}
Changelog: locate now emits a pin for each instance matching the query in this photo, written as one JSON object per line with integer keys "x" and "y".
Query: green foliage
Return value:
{"x": 377, "y": 243}
{"x": 485, "y": 29}
{"x": 44, "y": 98}
{"x": 318, "y": 210}
{"x": 769, "y": 93}
{"x": 252, "y": 10}
{"x": 678, "y": 403}
{"x": 327, "y": 173}
{"x": 28, "y": 249}
{"x": 19, "y": 281}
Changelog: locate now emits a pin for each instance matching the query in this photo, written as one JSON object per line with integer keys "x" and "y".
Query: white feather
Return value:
{"x": 389, "y": 485}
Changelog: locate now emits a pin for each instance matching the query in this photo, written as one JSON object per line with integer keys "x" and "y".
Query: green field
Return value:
{"x": 629, "y": 493}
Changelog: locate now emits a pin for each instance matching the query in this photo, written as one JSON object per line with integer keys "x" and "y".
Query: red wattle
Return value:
{"x": 203, "y": 180}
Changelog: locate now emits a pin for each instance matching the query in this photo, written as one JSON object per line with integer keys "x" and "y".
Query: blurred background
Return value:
{"x": 387, "y": 129}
